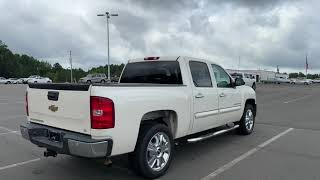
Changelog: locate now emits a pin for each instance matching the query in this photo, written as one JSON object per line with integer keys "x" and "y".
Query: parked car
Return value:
{"x": 39, "y": 80}
{"x": 4, "y": 80}
{"x": 20, "y": 81}
{"x": 13, "y": 80}
{"x": 301, "y": 81}
{"x": 281, "y": 80}
{"x": 316, "y": 81}
{"x": 247, "y": 78}
{"x": 94, "y": 78}
{"x": 25, "y": 80}
{"x": 158, "y": 100}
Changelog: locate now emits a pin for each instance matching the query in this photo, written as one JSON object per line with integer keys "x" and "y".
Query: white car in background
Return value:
{"x": 316, "y": 81}
{"x": 3, "y": 80}
{"x": 39, "y": 80}
{"x": 301, "y": 81}
{"x": 13, "y": 80}
{"x": 247, "y": 78}
{"x": 280, "y": 80}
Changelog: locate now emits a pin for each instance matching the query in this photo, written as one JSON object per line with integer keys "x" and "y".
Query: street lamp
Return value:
{"x": 108, "y": 15}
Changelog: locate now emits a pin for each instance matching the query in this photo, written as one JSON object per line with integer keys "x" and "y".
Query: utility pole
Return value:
{"x": 239, "y": 65}
{"x": 108, "y": 15}
{"x": 70, "y": 60}
{"x": 307, "y": 65}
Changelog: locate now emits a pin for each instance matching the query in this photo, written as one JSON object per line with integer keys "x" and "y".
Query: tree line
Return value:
{"x": 302, "y": 75}
{"x": 19, "y": 66}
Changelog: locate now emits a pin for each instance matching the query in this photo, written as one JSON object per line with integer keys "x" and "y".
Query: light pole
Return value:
{"x": 70, "y": 59}
{"x": 108, "y": 15}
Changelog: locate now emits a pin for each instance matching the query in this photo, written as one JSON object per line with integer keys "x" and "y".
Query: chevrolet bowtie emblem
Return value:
{"x": 53, "y": 108}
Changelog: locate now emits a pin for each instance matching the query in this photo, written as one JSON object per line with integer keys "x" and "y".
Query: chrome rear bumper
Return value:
{"x": 66, "y": 142}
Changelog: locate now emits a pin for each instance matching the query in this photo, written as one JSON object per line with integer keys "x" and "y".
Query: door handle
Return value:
{"x": 222, "y": 95}
{"x": 199, "y": 95}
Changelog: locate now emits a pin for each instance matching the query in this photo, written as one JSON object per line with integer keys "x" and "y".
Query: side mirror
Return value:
{"x": 239, "y": 82}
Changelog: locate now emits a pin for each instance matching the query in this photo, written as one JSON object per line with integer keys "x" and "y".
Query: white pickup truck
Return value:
{"x": 158, "y": 102}
{"x": 248, "y": 79}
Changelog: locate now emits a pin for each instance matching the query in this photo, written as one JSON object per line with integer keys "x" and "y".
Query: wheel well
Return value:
{"x": 166, "y": 117}
{"x": 253, "y": 103}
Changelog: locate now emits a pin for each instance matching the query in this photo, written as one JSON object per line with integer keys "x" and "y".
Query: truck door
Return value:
{"x": 229, "y": 96}
{"x": 205, "y": 97}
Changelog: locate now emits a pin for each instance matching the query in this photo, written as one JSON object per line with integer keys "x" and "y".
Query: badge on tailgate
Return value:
{"x": 53, "y": 108}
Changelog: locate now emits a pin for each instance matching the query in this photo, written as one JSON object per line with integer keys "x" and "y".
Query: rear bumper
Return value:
{"x": 66, "y": 142}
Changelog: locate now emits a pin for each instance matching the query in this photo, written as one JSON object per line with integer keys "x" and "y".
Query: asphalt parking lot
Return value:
{"x": 284, "y": 145}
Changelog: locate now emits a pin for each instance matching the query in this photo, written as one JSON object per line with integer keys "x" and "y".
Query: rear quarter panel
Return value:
{"x": 131, "y": 103}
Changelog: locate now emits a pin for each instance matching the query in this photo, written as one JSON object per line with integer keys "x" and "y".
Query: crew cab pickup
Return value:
{"x": 158, "y": 102}
{"x": 248, "y": 79}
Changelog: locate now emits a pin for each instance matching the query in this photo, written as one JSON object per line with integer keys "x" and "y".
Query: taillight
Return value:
{"x": 151, "y": 58}
{"x": 27, "y": 108}
{"x": 102, "y": 112}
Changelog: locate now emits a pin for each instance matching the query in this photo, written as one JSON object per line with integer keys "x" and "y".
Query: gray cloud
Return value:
{"x": 263, "y": 33}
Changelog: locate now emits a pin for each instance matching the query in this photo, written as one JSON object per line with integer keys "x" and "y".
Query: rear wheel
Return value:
{"x": 102, "y": 81}
{"x": 153, "y": 152}
{"x": 247, "y": 120}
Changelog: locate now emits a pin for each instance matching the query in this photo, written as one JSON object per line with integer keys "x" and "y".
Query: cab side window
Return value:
{"x": 200, "y": 74}
{"x": 222, "y": 77}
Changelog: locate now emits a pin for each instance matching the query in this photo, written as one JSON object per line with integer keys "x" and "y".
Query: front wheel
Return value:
{"x": 246, "y": 124}
{"x": 153, "y": 152}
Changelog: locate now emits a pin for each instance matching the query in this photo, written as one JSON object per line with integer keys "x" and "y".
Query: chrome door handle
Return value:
{"x": 222, "y": 95}
{"x": 199, "y": 95}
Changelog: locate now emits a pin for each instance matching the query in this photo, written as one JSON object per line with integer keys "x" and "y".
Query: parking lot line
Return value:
{"x": 19, "y": 164}
{"x": 9, "y": 130}
{"x": 244, "y": 156}
{"x": 296, "y": 99}
{"x": 4, "y": 128}
{"x": 14, "y": 132}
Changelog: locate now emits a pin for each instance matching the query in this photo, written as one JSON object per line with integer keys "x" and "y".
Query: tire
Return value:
{"x": 89, "y": 82}
{"x": 254, "y": 86}
{"x": 35, "y": 82}
{"x": 246, "y": 124}
{"x": 151, "y": 134}
{"x": 102, "y": 81}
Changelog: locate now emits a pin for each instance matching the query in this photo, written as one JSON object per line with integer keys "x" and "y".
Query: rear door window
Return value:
{"x": 200, "y": 74}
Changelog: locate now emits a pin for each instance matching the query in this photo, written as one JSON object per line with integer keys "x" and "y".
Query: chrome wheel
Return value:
{"x": 158, "y": 151}
{"x": 249, "y": 119}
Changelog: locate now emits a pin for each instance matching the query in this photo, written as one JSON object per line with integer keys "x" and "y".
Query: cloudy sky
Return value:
{"x": 264, "y": 33}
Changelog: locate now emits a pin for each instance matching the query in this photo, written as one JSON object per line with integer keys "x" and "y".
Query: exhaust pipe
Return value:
{"x": 49, "y": 153}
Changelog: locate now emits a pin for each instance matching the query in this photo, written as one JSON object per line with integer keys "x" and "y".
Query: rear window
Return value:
{"x": 153, "y": 72}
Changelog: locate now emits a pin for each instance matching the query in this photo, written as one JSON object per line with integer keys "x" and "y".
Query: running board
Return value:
{"x": 207, "y": 136}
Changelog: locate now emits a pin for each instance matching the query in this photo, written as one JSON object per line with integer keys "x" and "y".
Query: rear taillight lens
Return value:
{"x": 102, "y": 112}
{"x": 27, "y": 108}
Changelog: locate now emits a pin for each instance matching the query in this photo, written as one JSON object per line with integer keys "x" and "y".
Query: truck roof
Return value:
{"x": 169, "y": 58}
{"x": 154, "y": 58}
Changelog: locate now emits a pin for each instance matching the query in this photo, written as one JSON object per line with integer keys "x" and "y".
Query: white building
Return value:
{"x": 260, "y": 75}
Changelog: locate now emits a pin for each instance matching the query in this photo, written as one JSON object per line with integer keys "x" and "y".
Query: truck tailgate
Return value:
{"x": 63, "y": 106}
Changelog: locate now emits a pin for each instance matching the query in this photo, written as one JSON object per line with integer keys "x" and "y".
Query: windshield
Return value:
{"x": 154, "y": 72}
